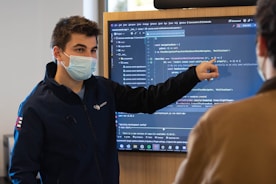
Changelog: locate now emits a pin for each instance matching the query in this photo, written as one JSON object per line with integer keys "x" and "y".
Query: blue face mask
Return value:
{"x": 80, "y": 67}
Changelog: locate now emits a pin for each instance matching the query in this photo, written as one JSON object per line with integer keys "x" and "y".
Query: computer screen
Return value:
{"x": 142, "y": 52}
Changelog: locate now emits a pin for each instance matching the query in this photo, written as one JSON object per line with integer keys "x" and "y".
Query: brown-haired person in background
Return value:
{"x": 66, "y": 126}
{"x": 236, "y": 143}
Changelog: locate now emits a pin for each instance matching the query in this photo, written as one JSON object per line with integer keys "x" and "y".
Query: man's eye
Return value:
{"x": 93, "y": 50}
{"x": 80, "y": 50}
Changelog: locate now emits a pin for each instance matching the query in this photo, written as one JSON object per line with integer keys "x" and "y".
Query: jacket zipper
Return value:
{"x": 95, "y": 142}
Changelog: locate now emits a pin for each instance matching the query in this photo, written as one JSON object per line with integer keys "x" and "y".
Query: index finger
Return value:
{"x": 212, "y": 61}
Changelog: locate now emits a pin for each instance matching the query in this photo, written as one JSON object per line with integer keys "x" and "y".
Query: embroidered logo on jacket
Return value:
{"x": 18, "y": 124}
{"x": 98, "y": 107}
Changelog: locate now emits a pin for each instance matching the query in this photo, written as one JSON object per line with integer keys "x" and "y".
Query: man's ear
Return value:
{"x": 56, "y": 53}
{"x": 261, "y": 46}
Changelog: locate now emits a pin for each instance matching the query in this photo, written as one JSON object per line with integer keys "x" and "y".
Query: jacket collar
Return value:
{"x": 62, "y": 91}
{"x": 268, "y": 85}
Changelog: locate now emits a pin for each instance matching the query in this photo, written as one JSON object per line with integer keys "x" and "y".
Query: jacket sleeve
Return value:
{"x": 194, "y": 166}
{"x": 24, "y": 163}
{"x": 148, "y": 100}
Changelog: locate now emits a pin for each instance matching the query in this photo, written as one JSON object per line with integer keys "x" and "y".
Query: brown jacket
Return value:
{"x": 234, "y": 143}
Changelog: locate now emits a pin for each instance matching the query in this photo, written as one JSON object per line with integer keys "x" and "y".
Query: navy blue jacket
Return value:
{"x": 68, "y": 141}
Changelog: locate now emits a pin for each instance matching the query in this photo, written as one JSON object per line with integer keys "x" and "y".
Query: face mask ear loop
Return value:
{"x": 62, "y": 63}
{"x": 260, "y": 69}
{"x": 66, "y": 54}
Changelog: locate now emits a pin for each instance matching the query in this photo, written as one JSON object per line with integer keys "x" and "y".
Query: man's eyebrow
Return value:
{"x": 79, "y": 45}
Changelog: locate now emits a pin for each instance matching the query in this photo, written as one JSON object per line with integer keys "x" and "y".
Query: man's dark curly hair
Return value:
{"x": 74, "y": 24}
{"x": 266, "y": 25}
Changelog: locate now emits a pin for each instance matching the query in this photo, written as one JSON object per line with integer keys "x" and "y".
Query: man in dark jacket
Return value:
{"x": 66, "y": 127}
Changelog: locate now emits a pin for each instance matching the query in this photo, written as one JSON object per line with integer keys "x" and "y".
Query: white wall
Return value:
{"x": 25, "y": 33}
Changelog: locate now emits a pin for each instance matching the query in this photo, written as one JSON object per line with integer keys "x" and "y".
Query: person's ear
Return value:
{"x": 261, "y": 46}
{"x": 57, "y": 53}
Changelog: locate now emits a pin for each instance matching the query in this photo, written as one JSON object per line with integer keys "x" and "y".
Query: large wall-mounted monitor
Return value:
{"x": 143, "y": 48}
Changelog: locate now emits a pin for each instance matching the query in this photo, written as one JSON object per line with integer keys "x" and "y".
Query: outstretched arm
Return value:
{"x": 207, "y": 70}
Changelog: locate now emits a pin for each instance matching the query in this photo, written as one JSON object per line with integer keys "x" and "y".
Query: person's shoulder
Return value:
{"x": 100, "y": 80}
{"x": 224, "y": 117}
{"x": 37, "y": 91}
{"x": 234, "y": 105}
{"x": 232, "y": 110}
{"x": 102, "y": 83}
